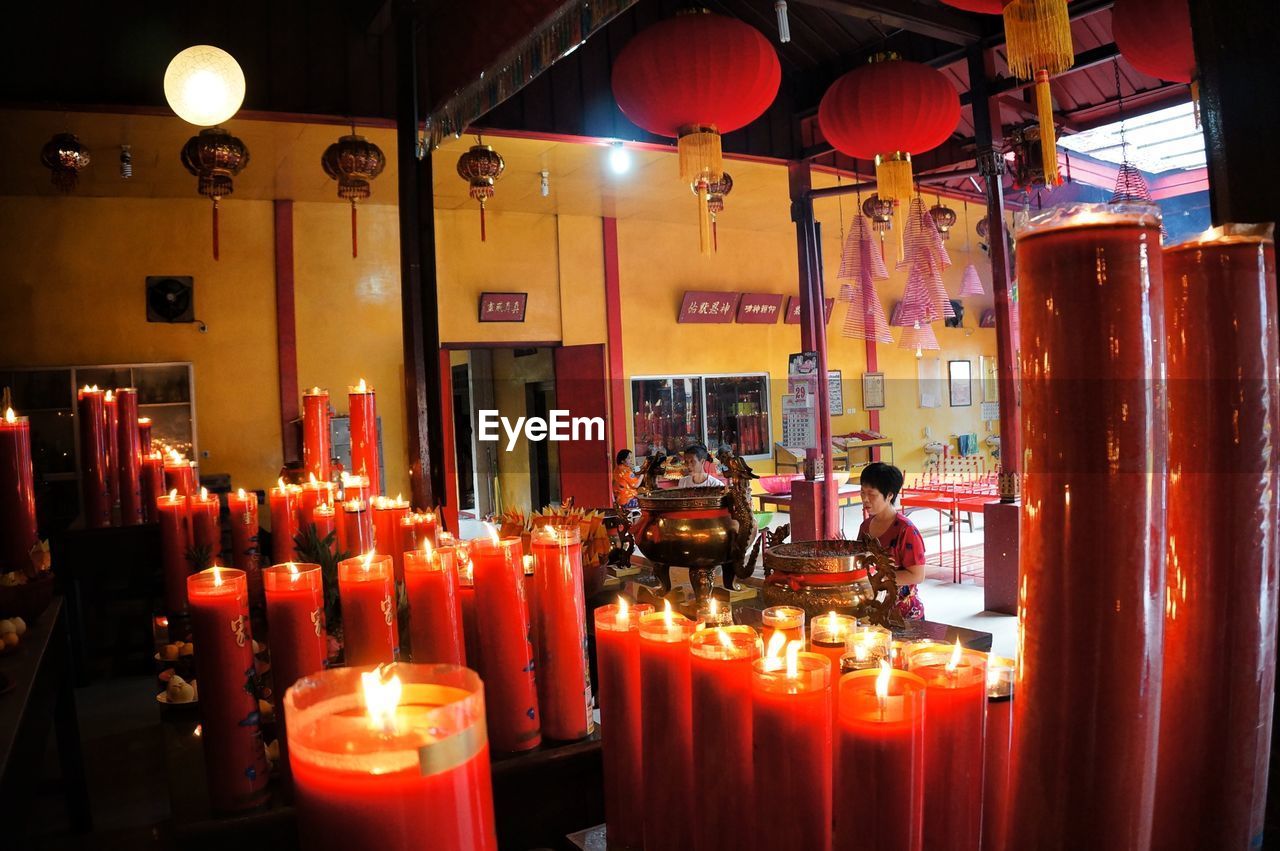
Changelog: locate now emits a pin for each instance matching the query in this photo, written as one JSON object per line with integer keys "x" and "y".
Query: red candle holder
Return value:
{"x": 323, "y": 519}
{"x": 366, "y": 588}
{"x": 618, "y": 670}
{"x": 175, "y": 541}
{"x": 296, "y": 634}
{"x": 242, "y": 515}
{"x": 995, "y": 766}
{"x": 206, "y": 526}
{"x": 357, "y": 528}
{"x": 111, "y": 414}
{"x": 363, "y": 412}
{"x": 94, "y": 465}
{"x": 17, "y": 494}
{"x": 152, "y": 484}
{"x": 317, "y": 449}
{"x": 283, "y": 501}
{"x": 179, "y": 474}
{"x": 387, "y": 539}
{"x": 129, "y": 457}
{"x": 314, "y": 492}
{"x": 668, "y": 799}
{"x": 560, "y": 615}
{"x": 789, "y": 620}
{"x": 144, "y": 436}
{"x": 435, "y": 610}
{"x": 828, "y": 636}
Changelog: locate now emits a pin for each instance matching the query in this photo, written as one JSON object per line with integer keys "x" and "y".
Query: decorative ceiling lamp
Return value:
{"x": 888, "y": 110}
{"x": 64, "y": 156}
{"x": 919, "y": 336}
{"x": 944, "y": 218}
{"x": 481, "y": 166}
{"x": 1155, "y": 37}
{"x": 880, "y": 212}
{"x": 214, "y": 156}
{"x": 715, "y": 193}
{"x": 971, "y": 282}
{"x": 1038, "y": 46}
{"x": 353, "y": 161}
{"x": 694, "y": 77}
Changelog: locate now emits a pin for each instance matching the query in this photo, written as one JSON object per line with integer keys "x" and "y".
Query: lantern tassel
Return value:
{"x": 1037, "y": 35}
{"x": 715, "y": 236}
{"x": 482, "y": 233}
{"x": 700, "y": 154}
{"x": 893, "y": 177}
{"x": 1048, "y": 137}
{"x": 215, "y": 228}
{"x": 704, "y": 221}
{"x": 353, "y": 228}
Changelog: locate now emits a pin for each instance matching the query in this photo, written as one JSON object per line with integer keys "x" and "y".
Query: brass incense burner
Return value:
{"x": 851, "y": 577}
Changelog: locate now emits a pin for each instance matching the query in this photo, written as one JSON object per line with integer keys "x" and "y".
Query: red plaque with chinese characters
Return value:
{"x": 793, "y": 309}
{"x": 707, "y": 307}
{"x": 760, "y": 308}
{"x": 502, "y": 307}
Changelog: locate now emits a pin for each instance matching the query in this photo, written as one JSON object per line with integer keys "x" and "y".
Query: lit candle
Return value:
{"x": 242, "y": 514}
{"x": 791, "y": 728}
{"x": 560, "y": 612}
{"x": 789, "y": 620}
{"x": 435, "y": 611}
{"x": 387, "y": 539}
{"x": 179, "y": 474}
{"x": 111, "y": 415}
{"x": 363, "y": 410}
{"x": 17, "y": 493}
{"x": 90, "y": 411}
{"x": 314, "y": 492}
{"x": 995, "y": 783}
{"x": 128, "y": 457}
{"x": 865, "y": 647}
{"x": 235, "y": 761}
{"x": 618, "y": 670}
{"x": 322, "y": 518}
{"x": 367, "y": 591}
{"x": 391, "y": 763}
{"x": 828, "y": 635}
{"x": 283, "y": 500}
{"x": 144, "y": 436}
{"x": 355, "y": 487}
{"x": 317, "y": 450}
{"x": 879, "y": 761}
{"x": 175, "y": 541}
{"x": 720, "y": 695}
{"x": 206, "y": 530}
{"x": 295, "y": 626}
{"x": 467, "y": 603}
{"x": 505, "y": 657}
{"x": 357, "y": 528}
{"x": 956, "y": 707}
{"x": 668, "y": 801}
{"x": 152, "y": 484}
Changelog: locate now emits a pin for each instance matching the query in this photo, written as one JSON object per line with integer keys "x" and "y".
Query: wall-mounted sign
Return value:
{"x": 793, "y": 309}
{"x": 708, "y": 307}
{"x": 502, "y": 307}
{"x": 760, "y": 308}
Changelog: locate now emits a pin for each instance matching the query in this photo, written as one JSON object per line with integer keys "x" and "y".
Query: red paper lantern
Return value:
{"x": 1155, "y": 36}
{"x": 886, "y": 111}
{"x": 984, "y": 7}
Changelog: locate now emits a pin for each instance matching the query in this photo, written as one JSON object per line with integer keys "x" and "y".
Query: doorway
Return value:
{"x": 544, "y": 455}
{"x": 464, "y": 446}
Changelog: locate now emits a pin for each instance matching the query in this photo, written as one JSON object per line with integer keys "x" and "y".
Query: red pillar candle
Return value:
{"x": 505, "y": 657}
{"x": 391, "y": 773}
{"x": 295, "y": 620}
{"x": 435, "y": 611}
{"x": 206, "y": 526}
{"x": 357, "y": 527}
{"x": 144, "y": 436}
{"x": 1094, "y": 433}
{"x": 93, "y": 458}
{"x": 879, "y": 761}
{"x": 789, "y": 620}
{"x": 367, "y": 591}
{"x": 387, "y": 514}
{"x": 317, "y": 449}
{"x": 242, "y": 514}
{"x": 322, "y": 518}
{"x": 129, "y": 457}
{"x": 828, "y": 635}
{"x": 152, "y": 484}
{"x": 175, "y": 541}
{"x": 791, "y": 731}
{"x": 956, "y": 708}
{"x": 179, "y": 474}
{"x": 17, "y": 493}
{"x": 668, "y": 798}
{"x": 467, "y": 604}
{"x": 564, "y": 681}
{"x": 355, "y": 487}
{"x": 995, "y": 766}
{"x": 283, "y": 501}
{"x": 314, "y": 492}
{"x": 1220, "y": 594}
{"x": 235, "y": 762}
{"x": 363, "y": 410}
{"x": 618, "y": 671}
{"x": 111, "y": 413}
{"x": 720, "y": 708}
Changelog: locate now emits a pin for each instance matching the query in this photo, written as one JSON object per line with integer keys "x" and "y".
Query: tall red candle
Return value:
{"x": 129, "y": 457}
{"x": 720, "y": 706}
{"x": 17, "y": 493}
{"x": 668, "y": 797}
{"x": 144, "y": 436}
{"x": 618, "y": 669}
{"x": 206, "y": 526}
{"x": 564, "y": 682}
{"x": 235, "y": 762}
{"x": 93, "y": 457}
{"x": 357, "y": 528}
{"x": 505, "y": 657}
{"x": 111, "y": 413}
{"x": 435, "y": 611}
{"x": 283, "y": 501}
{"x": 387, "y": 538}
{"x": 295, "y": 623}
{"x": 995, "y": 766}
{"x": 1091, "y": 594}
{"x": 175, "y": 541}
{"x": 179, "y": 474}
{"x": 791, "y": 731}
{"x": 467, "y": 605}
{"x": 354, "y": 487}
{"x": 317, "y": 449}
{"x": 322, "y": 518}
{"x": 242, "y": 517}
{"x": 955, "y": 710}
{"x": 409, "y": 777}
{"x": 367, "y": 591}
{"x": 152, "y": 484}
{"x": 879, "y": 761}
{"x": 1220, "y": 596}
{"x": 363, "y": 410}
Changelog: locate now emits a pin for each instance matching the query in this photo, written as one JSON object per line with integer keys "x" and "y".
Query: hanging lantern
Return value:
{"x": 214, "y": 156}
{"x": 1038, "y": 46}
{"x": 694, "y": 77}
{"x": 64, "y": 156}
{"x": 944, "y": 219}
{"x": 1155, "y": 37}
{"x": 481, "y": 166}
{"x": 715, "y": 192}
{"x": 880, "y": 211}
{"x": 888, "y": 110}
{"x": 353, "y": 161}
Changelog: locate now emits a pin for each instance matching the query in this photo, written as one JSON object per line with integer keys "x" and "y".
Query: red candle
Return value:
{"x": 668, "y": 798}
{"x": 400, "y": 766}
{"x": 367, "y": 592}
{"x": 111, "y": 413}
{"x": 828, "y": 635}
{"x": 235, "y": 762}
{"x": 357, "y": 528}
{"x": 175, "y": 541}
{"x": 179, "y": 474}
{"x": 995, "y": 767}
{"x": 322, "y": 518}
{"x": 295, "y": 620}
{"x": 720, "y": 694}
{"x": 206, "y": 528}
{"x": 435, "y": 611}
{"x": 242, "y": 514}
{"x": 1220, "y": 592}
{"x": 387, "y": 538}
{"x": 317, "y": 449}
{"x": 956, "y": 708}
{"x": 283, "y": 500}
{"x": 618, "y": 669}
{"x": 505, "y": 657}
{"x": 467, "y": 605}
{"x": 564, "y": 682}
{"x": 17, "y": 494}
{"x": 879, "y": 761}
{"x": 363, "y": 410}
{"x": 90, "y": 411}
{"x": 152, "y": 484}
{"x": 314, "y": 492}
{"x": 789, "y": 620}
{"x": 1093, "y": 425}
{"x": 129, "y": 457}
{"x": 144, "y": 436}
{"x": 791, "y": 730}
{"x": 354, "y": 487}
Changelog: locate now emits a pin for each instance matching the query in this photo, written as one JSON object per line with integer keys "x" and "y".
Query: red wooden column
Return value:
{"x": 613, "y": 316}
{"x": 286, "y": 329}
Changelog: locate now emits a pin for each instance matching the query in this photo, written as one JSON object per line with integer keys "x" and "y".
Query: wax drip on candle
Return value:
{"x": 381, "y": 697}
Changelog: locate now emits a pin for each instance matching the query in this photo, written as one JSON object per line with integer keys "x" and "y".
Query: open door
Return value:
{"x": 582, "y": 388}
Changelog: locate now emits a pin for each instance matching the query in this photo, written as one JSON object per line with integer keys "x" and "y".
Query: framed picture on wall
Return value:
{"x": 872, "y": 390}
{"x": 960, "y": 383}
{"x": 989, "y": 375}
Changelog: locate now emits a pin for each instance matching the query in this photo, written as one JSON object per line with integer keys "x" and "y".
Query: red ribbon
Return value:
{"x": 799, "y": 581}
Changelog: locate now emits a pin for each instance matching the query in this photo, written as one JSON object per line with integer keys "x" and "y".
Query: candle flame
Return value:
{"x": 528, "y": 565}
{"x": 280, "y": 483}
{"x": 368, "y": 560}
{"x": 144, "y": 421}
{"x": 777, "y": 642}
{"x": 833, "y": 625}
{"x": 724, "y": 639}
{"x": 8, "y": 415}
{"x": 204, "y": 493}
{"x": 240, "y": 493}
{"x": 173, "y": 494}
{"x": 312, "y": 477}
{"x": 954, "y": 661}
{"x": 492, "y": 532}
{"x": 362, "y": 387}
{"x": 400, "y": 497}
{"x": 175, "y": 456}
{"x": 623, "y": 609}
{"x": 293, "y": 570}
{"x": 993, "y": 673}
{"x": 315, "y": 391}
{"x": 714, "y": 607}
{"x": 426, "y": 547}
{"x": 109, "y": 397}
{"x": 381, "y": 697}
{"x": 217, "y": 576}
{"x": 882, "y": 679}
{"x": 793, "y": 658}
{"x": 668, "y": 616}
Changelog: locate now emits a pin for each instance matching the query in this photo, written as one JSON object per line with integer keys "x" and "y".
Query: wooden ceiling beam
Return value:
{"x": 940, "y": 23}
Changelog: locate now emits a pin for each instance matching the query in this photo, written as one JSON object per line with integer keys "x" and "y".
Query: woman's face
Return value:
{"x": 873, "y": 500}
{"x": 629, "y": 459}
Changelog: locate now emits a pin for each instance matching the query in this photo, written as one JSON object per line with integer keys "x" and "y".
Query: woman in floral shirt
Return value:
{"x": 881, "y": 484}
{"x": 625, "y": 482}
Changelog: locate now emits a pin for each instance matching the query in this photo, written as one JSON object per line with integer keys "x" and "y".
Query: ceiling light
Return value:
{"x": 619, "y": 158}
{"x": 545, "y": 185}
{"x": 204, "y": 85}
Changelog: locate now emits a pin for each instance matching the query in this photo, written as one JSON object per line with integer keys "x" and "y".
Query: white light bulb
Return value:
{"x": 619, "y": 159}
{"x": 204, "y": 85}
{"x": 784, "y": 24}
